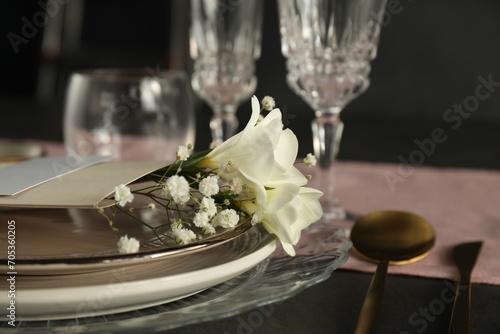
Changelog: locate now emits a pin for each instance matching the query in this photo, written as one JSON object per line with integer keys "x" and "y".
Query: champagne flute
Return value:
{"x": 225, "y": 38}
{"x": 329, "y": 45}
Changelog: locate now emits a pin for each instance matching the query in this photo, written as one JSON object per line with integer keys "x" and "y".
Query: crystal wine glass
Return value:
{"x": 329, "y": 45}
{"x": 225, "y": 38}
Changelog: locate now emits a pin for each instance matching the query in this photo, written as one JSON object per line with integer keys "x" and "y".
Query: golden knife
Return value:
{"x": 465, "y": 256}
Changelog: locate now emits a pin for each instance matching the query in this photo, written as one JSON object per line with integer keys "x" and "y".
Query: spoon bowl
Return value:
{"x": 394, "y": 237}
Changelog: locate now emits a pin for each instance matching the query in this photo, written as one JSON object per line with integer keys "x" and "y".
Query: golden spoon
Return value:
{"x": 393, "y": 237}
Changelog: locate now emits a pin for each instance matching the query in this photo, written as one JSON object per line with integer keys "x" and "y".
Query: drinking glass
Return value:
{"x": 128, "y": 114}
{"x": 225, "y": 42}
{"x": 329, "y": 45}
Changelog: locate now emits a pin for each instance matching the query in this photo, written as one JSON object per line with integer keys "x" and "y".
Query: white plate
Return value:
{"x": 134, "y": 287}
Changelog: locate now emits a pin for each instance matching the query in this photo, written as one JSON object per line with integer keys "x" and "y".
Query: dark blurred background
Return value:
{"x": 431, "y": 57}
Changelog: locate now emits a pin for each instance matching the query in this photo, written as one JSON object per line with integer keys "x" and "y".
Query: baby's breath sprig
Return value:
{"x": 195, "y": 201}
{"x": 268, "y": 103}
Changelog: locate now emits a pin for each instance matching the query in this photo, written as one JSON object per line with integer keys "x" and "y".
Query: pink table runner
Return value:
{"x": 462, "y": 204}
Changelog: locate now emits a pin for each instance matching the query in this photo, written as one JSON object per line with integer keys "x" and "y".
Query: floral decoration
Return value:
{"x": 250, "y": 177}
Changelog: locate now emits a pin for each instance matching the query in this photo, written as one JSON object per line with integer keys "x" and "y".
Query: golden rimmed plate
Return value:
{"x": 128, "y": 288}
{"x": 76, "y": 241}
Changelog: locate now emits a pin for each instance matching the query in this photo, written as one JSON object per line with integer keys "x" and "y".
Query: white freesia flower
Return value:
{"x": 123, "y": 195}
{"x": 288, "y": 221}
{"x": 263, "y": 156}
{"x": 209, "y": 186}
{"x": 128, "y": 245}
{"x": 249, "y": 176}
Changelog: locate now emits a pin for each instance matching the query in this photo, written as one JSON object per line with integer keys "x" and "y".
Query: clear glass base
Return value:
{"x": 332, "y": 210}
{"x": 327, "y": 132}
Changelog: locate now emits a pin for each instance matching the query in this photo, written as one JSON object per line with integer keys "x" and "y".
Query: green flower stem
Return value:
{"x": 111, "y": 222}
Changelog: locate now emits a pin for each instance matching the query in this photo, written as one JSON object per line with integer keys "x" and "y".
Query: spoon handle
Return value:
{"x": 373, "y": 299}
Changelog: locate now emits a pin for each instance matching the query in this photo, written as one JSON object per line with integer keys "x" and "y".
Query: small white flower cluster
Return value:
{"x": 209, "y": 186}
{"x": 128, "y": 245}
{"x": 207, "y": 211}
{"x": 227, "y": 218}
{"x": 268, "y": 103}
{"x": 123, "y": 195}
{"x": 177, "y": 188}
{"x": 182, "y": 235}
{"x": 310, "y": 160}
{"x": 183, "y": 152}
{"x": 209, "y": 216}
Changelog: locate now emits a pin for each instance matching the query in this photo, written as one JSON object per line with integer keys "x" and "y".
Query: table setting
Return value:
{"x": 126, "y": 228}
{"x": 186, "y": 262}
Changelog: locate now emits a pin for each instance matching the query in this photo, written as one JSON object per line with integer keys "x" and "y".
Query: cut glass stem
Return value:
{"x": 327, "y": 132}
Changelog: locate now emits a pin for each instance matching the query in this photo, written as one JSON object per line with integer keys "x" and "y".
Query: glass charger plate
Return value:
{"x": 322, "y": 249}
{"x": 76, "y": 241}
{"x": 131, "y": 288}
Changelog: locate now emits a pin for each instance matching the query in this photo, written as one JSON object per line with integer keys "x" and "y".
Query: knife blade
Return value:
{"x": 465, "y": 256}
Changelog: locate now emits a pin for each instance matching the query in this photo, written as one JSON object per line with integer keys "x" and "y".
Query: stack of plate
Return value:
{"x": 67, "y": 265}
{"x": 70, "y": 275}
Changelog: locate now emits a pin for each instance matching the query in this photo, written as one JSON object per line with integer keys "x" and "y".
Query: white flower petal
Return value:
{"x": 288, "y": 248}
{"x": 311, "y": 210}
{"x": 280, "y": 176}
{"x": 280, "y": 196}
{"x": 255, "y": 113}
{"x": 282, "y": 226}
{"x": 287, "y": 149}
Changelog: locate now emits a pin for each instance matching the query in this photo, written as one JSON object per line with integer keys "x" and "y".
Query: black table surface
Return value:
{"x": 410, "y": 305}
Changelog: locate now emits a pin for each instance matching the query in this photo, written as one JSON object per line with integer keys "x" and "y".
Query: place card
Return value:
{"x": 16, "y": 178}
{"x": 86, "y": 187}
